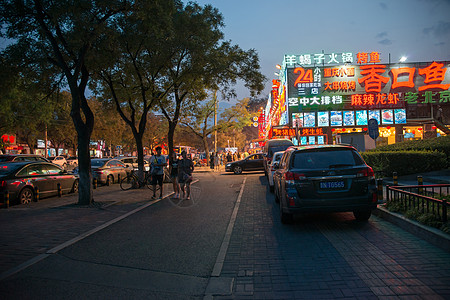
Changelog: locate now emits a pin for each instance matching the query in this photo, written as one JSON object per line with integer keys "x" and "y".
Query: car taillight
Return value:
{"x": 99, "y": 171}
{"x": 3, "y": 183}
{"x": 294, "y": 176}
{"x": 367, "y": 172}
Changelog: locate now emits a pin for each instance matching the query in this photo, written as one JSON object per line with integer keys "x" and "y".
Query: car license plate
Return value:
{"x": 332, "y": 185}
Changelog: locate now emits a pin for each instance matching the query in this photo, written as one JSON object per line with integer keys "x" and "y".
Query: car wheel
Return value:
{"x": 286, "y": 218}
{"x": 109, "y": 180}
{"x": 363, "y": 215}
{"x": 237, "y": 170}
{"x": 26, "y": 195}
{"x": 75, "y": 187}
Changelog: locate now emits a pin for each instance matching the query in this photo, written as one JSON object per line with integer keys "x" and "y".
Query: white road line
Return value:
{"x": 54, "y": 250}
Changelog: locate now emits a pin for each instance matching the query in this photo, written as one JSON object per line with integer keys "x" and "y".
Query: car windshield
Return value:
{"x": 9, "y": 168}
{"x": 326, "y": 159}
{"x": 97, "y": 163}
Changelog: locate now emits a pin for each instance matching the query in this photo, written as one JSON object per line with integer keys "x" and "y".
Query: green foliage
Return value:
{"x": 404, "y": 162}
{"x": 441, "y": 144}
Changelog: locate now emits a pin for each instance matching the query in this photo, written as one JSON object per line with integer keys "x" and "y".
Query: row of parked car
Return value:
{"x": 22, "y": 175}
{"x": 316, "y": 178}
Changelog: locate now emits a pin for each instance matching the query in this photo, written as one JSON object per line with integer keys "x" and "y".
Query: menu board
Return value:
{"x": 349, "y": 118}
{"x": 375, "y": 114}
{"x": 309, "y": 119}
{"x": 320, "y": 140}
{"x": 361, "y": 117}
{"x": 297, "y": 118}
{"x": 400, "y": 116}
{"x": 336, "y": 118}
{"x": 323, "y": 119}
{"x": 311, "y": 140}
{"x": 387, "y": 116}
{"x": 303, "y": 140}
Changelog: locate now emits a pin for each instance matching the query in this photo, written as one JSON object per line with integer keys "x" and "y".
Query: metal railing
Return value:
{"x": 421, "y": 197}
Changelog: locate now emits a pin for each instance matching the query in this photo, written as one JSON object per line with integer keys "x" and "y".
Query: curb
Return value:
{"x": 433, "y": 236}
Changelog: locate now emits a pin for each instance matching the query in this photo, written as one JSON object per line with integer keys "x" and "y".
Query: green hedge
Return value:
{"x": 404, "y": 162}
{"x": 441, "y": 144}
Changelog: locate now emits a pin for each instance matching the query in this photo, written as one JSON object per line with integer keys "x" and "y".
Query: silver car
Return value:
{"x": 108, "y": 171}
{"x": 272, "y": 168}
{"x": 23, "y": 179}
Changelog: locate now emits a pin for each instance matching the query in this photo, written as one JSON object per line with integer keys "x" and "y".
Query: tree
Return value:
{"x": 130, "y": 79}
{"x": 61, "y": 35}
{"x": 201, "y": 61}
{"x": 235, "y": 117}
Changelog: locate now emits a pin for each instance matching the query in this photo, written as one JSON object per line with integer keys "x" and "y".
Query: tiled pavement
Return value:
{"x": 59, "y": 221}
{"x": 332, "y": 257}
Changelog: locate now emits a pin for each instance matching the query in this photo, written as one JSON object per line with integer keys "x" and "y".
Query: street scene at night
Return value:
{"x": 224, "y": 149}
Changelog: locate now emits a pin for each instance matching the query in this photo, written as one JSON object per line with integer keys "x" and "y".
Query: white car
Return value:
{"x": 276, "y": 159}
{"x": 59, "y": 160}
{"x": 132, "y": 163}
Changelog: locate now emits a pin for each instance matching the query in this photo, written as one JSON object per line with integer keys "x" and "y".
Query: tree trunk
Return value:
{"x": 140, "y": 155}
{"x": 85, "y": 195}
{"x": 170, "y": 136}
{"x": 206, "y": 146}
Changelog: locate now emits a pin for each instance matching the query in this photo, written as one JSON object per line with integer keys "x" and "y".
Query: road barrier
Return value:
{"x": 409, "y": 197}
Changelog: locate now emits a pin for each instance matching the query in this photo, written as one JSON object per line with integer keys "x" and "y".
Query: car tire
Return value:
{"x": 75, "y": 187}
{"x": 109, "y": 180}
{"x": 362, "y": 215}
{"x": 26, "y": 195}
{"x": 237, "y": 170}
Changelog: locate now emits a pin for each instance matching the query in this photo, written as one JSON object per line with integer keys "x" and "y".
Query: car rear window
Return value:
{"x": 97, "y": 163}
{"x": 326, "y": 159}
{"x": 9, "y": 168}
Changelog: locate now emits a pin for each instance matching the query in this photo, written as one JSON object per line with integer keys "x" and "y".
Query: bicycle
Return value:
{"x": 131, "y": 181}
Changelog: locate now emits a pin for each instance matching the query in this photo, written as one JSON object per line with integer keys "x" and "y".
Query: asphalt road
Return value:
{"x": 226, "y": 243}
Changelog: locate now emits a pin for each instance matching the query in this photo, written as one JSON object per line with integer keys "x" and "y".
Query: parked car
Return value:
{"x": 271, "y": 147}
{"x": 21, "y": 157}
{"x": 21, "y": 179}
{"x": 328, "y": 178}
{"x": 58, "y": 160}
{"x": 108, "y": 171}
{"x": 72, "y": 161}
{"x": 132, "y": 163}
{"x": 272, "y": 165}
{"x": 253, "y": 162}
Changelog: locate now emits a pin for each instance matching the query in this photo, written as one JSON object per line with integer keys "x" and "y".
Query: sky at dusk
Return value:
{"x": 417, "y": 29}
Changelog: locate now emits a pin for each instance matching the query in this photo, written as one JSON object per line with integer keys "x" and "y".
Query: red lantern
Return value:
{"x": 365, "y": 129}
{"x": 333, "y": 130}
{"x": 434, "y": 127}
{"x": 420, "y": 128}
{"x": 413, "y": 131}
{"x": 388, "y": 127}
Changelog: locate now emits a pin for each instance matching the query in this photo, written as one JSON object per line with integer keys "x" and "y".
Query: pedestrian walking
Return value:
{"x": 173, "y": 166}
{"x": 185, "y": 169}
{"x": 157, "y": 163}
{"x": 229, "y": 158}
{"x": 216, "y": 162}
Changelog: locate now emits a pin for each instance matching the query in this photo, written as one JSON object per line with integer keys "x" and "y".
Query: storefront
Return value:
{"x": 332, "y": 97}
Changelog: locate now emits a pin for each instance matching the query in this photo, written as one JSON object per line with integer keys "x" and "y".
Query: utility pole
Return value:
{"x": 215, "y": 121}
{"x": 46, "y": 153}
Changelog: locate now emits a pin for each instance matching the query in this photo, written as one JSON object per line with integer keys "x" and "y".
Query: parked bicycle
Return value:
{"x": 132, "y": 181}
